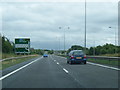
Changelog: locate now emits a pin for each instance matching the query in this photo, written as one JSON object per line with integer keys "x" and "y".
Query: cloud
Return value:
{"x": 59, "y": 0}
{"x": 41, "y": 22}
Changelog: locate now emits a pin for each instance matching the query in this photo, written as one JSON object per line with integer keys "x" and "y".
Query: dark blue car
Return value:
{"x": 76, "y": 56}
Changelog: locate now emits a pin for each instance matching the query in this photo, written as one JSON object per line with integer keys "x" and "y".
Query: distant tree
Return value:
{"x": 97, "y": 50}
{"x": 50, "y": 52}
{"x": 91, "y": 50}
{"x": 118, "y": 49}
{"x": 75, "y": 47}
{"x": 62, "y": 52}
{"x": 104, "y": 49}
{"x": 7, "y": 47}
{"x": 39, "y": 51}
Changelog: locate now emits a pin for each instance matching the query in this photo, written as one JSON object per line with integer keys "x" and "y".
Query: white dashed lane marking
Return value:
{"x": 57, "y": 63}
{"x": 65, "y": 70}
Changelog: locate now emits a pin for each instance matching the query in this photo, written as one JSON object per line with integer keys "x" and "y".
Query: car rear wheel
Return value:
{"x": 84, "y": 62}
{"x": 67, "y": 61}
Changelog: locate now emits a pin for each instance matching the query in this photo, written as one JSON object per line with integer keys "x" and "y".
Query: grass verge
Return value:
{"x": 9, "y": 55}
{"x": 105, "y": 62}
{"x": 6, "y": 55}
{"x": 8, "y": 63}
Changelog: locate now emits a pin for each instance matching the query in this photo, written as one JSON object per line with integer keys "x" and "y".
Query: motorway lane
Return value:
{"x": 90, "y": 76}
{"x": 49, "y": 73}
{"x": 44, "y": 73}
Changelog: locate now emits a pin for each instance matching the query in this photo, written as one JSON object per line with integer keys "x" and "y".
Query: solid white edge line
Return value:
{"x": 103, "y": 66}
{"x": 65, "y": 70}
{"x": 100, "y": 65}
{"x": 3, "y": 77}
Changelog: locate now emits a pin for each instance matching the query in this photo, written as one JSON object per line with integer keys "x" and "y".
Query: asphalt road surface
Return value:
{"x": 54, "y": 72}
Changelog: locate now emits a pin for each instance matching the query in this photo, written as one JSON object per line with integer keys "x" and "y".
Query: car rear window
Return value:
{"x": 78, "y": 53}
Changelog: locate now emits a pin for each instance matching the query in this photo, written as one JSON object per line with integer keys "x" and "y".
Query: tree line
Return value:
{"x": 8, "y": 47}
{"x": 98, "y": 50}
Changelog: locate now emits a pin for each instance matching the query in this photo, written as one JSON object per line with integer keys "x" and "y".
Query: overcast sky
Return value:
{"x": 41, "y": 22}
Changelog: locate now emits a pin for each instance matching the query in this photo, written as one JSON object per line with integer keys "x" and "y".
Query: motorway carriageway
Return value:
{"x": 54, "y": 72}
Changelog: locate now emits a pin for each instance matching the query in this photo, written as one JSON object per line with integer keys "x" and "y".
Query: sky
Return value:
{"x": 41, "y": 21}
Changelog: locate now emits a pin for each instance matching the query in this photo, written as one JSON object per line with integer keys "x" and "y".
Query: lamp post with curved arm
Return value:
{"x": 64, "y": 38}
{"x": 115, "y": 39}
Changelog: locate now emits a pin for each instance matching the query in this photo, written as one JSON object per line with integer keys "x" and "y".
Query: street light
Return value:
{"x": 115, "y": 38}
{"x": 94, "y": 49}
{"x": 58, "y": 41}
{"x": 64, "y": 36}
{"x": 85, "y": 29}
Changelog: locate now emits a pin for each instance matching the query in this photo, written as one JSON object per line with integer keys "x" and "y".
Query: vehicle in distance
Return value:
{"x": 45, "y": 55}
{"x": 76, "y": 56}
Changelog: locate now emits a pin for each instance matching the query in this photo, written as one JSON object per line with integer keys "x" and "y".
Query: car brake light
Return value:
{"x": 85, "y": 56}
{"x": 72, "y": 57}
